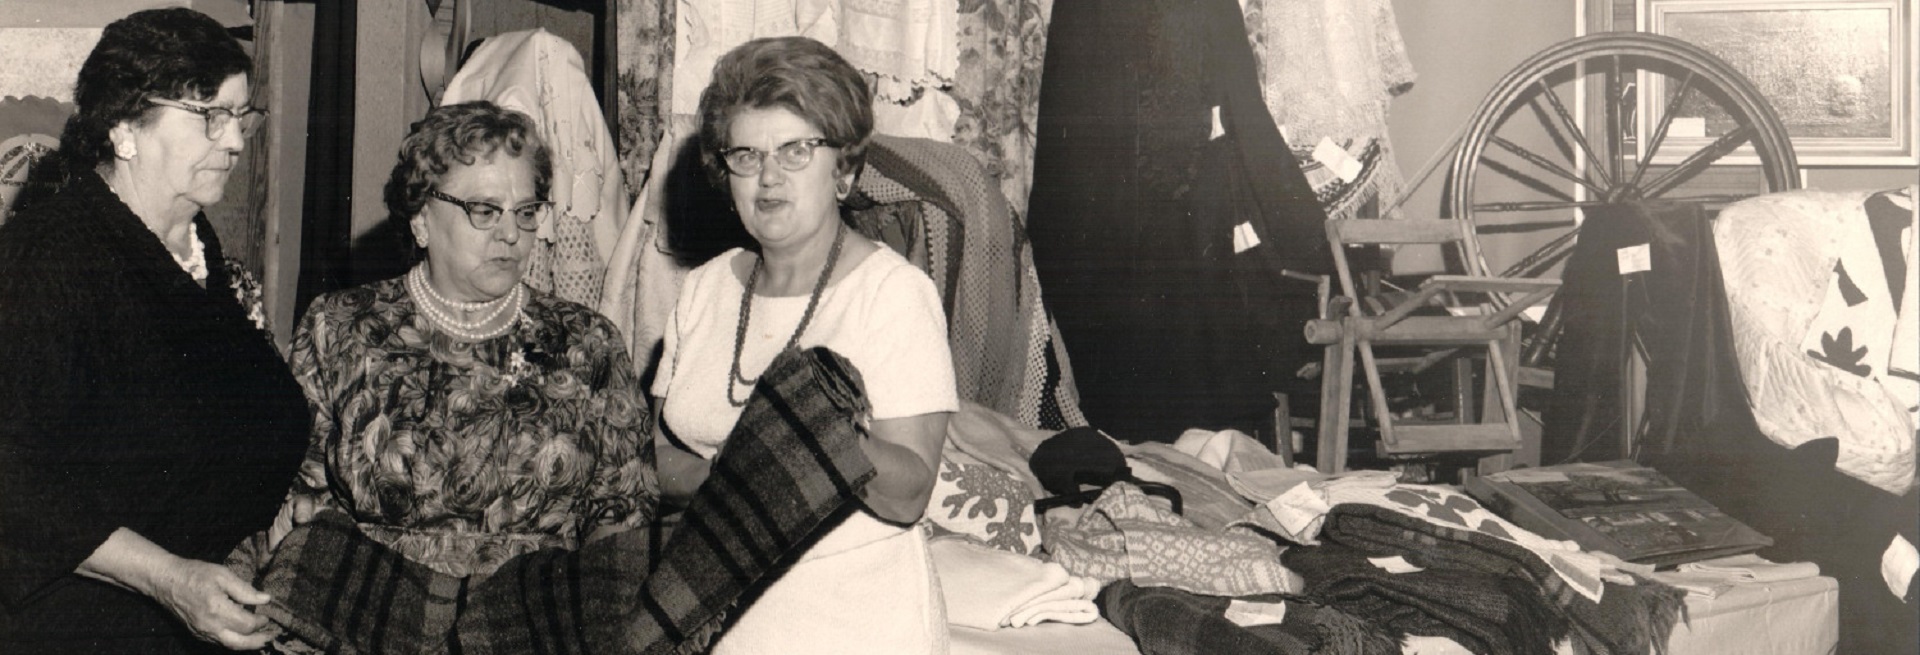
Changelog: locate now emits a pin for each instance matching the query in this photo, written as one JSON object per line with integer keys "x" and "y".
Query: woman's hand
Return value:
{"x": 207, "y": 597}
{"x": 680, "y": 472}
{"x": 213, "y": 602}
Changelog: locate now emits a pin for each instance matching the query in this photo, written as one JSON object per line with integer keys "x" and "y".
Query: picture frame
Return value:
{"x": 1838, "y": 73}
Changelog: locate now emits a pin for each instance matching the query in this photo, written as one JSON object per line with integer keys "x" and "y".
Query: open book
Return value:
{"x": 1617, "y": 507}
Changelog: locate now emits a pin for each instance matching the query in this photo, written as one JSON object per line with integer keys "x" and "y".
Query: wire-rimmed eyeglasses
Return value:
{"x": 220, "y": 119}
{"x": 792, "y": 156}
{"x": 485, "y": 215}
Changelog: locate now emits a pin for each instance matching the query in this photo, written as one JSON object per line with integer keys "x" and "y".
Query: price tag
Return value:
{"x": 1635, "y": 259}
{"x": 1244, "y": 238}
{"x": 1336, "y": 159}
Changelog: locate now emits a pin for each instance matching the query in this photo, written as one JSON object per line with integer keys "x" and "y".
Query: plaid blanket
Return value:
{"x": 1168, "y": 621}
{"x": 792, "y": 468}
{"x": 1490, "y": 595}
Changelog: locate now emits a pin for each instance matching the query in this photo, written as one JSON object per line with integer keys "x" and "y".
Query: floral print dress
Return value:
{"x": 462, "y": 455}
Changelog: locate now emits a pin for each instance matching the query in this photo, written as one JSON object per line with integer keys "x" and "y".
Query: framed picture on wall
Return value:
{"x": 1838, "y": 73}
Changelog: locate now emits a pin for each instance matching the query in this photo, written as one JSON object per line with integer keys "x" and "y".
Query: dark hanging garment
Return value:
{"x": 1678, "y": 310}
{"x": 1153, "y": 146}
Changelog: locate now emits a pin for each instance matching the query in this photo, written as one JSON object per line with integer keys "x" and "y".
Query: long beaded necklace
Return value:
{"x": 746, "y": 309}
{"x": 425, "y": 297}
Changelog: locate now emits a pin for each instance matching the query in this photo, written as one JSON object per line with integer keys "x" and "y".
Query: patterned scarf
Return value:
{"x": 791, "y": 469}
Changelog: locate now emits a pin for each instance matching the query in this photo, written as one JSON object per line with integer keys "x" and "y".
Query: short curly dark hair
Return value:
{"x": 795, "y": 73}
{"x": 462, "y": 134}
{"x": 174, "y": 54}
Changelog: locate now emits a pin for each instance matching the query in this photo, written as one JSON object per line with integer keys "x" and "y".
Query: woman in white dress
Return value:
{"x": 784, "y": 129}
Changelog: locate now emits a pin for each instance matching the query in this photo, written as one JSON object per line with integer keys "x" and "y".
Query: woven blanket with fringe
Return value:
{"x": 1166, "y": 621}
{"x": 1488, "y": 594}
{"x": 977, "y": 253}
{"x": 791, "y": 469}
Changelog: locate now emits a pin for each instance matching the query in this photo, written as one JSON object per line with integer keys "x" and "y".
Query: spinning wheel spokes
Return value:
{"x": 1528, "y": 192}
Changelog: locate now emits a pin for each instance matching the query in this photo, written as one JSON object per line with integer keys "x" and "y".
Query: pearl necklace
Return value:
{"x": 424, "y": 296}
{"x": 746, "y": 309}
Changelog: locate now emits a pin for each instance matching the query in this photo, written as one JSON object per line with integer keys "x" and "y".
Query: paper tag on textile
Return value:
{"x": 1635, "y": 259}
{"x": 1246, "y": 613}
{"x": 1300, "y": 511}
{"x": 1244, "y": 238}
{"x": 1898, "y": 564}
{"x": 1336, "y": 159}
{"x": 1394, "y": 564}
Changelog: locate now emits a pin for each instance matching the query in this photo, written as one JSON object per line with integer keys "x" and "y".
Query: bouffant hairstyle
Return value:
{"x": 462, "y": 134}
{"x": 795, "y": 73}
{"x": 174, "y": 54}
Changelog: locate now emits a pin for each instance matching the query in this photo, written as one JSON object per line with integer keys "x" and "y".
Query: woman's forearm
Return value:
{"x": 905, "y": 453}
{"x": 128, "y": 561}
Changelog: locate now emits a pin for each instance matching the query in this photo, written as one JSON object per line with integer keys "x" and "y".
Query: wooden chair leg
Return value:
{"x": 1382, "y": 414}
{"x": 1336, "y": 397}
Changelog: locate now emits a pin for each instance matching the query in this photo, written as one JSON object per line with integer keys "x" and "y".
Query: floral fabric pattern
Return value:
{"x": 462, "y": 455}
{"x": 644, "y": 82}
{"x": 1003, "y": 44}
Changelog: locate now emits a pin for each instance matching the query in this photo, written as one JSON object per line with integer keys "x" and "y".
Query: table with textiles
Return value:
{"x": 1464, "y": 575}
{"x": 1796, "y": 617}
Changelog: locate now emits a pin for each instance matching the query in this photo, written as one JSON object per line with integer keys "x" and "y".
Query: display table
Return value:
{"x": 1796, "y": 617}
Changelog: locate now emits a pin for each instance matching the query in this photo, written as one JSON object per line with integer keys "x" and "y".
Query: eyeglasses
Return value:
{"x": 485, "y": 215}
{"x": 792, "y": 156}
{"x": 220, "y": 119}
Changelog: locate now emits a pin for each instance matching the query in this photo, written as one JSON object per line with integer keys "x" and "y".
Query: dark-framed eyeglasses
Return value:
{"x": 792, "y": 156}
{"x": 220, "y": 119}
{"x": 485, "y": 215}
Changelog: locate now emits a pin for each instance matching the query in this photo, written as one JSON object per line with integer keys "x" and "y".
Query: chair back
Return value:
{"x": 1373, "y": 231}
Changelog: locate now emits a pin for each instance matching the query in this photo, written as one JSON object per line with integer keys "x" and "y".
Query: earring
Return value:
{"x": 125, "y": 151}
{"x": 845, "y": 187}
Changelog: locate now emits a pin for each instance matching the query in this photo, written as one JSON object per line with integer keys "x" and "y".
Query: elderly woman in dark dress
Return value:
{"x": 147, "y": 424}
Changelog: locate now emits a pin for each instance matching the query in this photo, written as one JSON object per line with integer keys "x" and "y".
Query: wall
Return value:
{"x": 1459, "y": 48}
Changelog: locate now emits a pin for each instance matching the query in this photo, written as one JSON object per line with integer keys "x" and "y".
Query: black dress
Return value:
{"x": 129, "y": 397}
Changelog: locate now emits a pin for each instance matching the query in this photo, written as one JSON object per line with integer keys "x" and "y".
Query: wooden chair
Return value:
{"x": 1347, "y": 328}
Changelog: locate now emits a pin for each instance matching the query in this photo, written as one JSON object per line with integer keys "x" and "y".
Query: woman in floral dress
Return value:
{"x": 461, "y": 417}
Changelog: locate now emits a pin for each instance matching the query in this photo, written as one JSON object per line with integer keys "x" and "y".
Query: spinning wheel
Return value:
{"x": 1522, "y": 193}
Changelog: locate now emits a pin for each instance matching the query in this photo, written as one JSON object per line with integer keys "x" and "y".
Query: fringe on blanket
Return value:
{"x": 1628, "y": 620}
{"x": 791, "y": 468}
{"x": 1168, "y": 621}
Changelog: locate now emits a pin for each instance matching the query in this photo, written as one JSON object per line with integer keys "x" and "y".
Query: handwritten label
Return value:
{"x": 1635, "y": 259}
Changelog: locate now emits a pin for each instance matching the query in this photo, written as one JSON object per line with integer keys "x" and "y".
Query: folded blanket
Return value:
{"x": 1126, "y": 535}
{"x": 1463, "y": 572}
{"x": 988, "y": 589}
{"x": 791, "y": 468}
{"x": 1166, "y": 621}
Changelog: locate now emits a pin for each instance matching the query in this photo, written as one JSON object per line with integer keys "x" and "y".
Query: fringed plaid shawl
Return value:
{"x": 1489, "y": 594}
{"x": 792, "y": 467}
